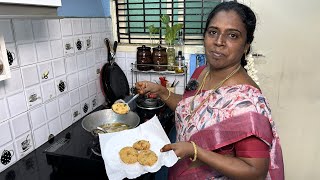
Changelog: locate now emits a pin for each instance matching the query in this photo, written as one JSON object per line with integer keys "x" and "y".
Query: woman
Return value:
{"x": 224, "y": 125}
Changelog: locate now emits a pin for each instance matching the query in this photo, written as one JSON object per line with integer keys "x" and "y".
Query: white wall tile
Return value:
{"x": 5, "y": 133}
{"x": 54, "y": 28}
{"x": 103, "y": 54}
{"x": 144, "y": 77}
{"x": 73, "y": 81}
{"x": 96, "y": 41}
{"x": 23, "y": 30}
{"x": 122, "y": 63}
{"x": 55, "y": 126}
{"x": 52, "y": 109}
{"x": 83, "y": 77}
{"x": 74, "y": 97}
{"x": 20, "y": 124}
{"x": 33, "y": 96}
{"x": 97, "y": 55}
{"x": 37, "y": 117}
{"x": 45, "y": 71}
{"x": 68, "y": 46}
{"x": 86, "y": 25}
{"x": 24, "y": 145}
{"x": 77, "y": 26}
{"x": 85, "y": 107}
{"x": 48, "y": 90}
{"x": 87, "y": 42}
{"x": 11, "y": 159}
{"x": 90, "y": 58}
{"x": 17, "y": 104}
{"x": 41, "y": 135}
{"x": 78, "y": 44}
{"x": 40, "y": 29}
{"x": 27, "y": 54}
{"x": 61, "y": 85}
{"x": 43, "y": 51}
{"x": 84, "y": 94}
{"x": 64, "y": 103}
{"x": 14, "y": 84}
{"x": 92, "y": 73}
{"x": 30, "y": 75}
{"x": 6, "y": 30}
{"x": 81, "y": 61}
{"x": 98, "y": 86}
{"x": 94, "y": 25}
{"x": 58, "y": 67}
{"x": 11, "y": 47}
{"x": 56, "y": 48}
{"x": 66, "y": 119}
{"x": 101, "y": 99}
{"x": 76, "y": 112}
{"x": 66, "y": 27}
{"x": 71, "y": 64}
{"x": 3, "y": 110}
{"x": 94, "y": 102}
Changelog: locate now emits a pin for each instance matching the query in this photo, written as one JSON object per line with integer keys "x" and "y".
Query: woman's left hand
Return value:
{"x": 181, "y": 149}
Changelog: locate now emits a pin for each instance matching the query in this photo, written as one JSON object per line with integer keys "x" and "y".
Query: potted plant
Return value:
{"x": 152, "y": 31}
{"x": 170, "y": 31}
{"x": 170, "y": 37}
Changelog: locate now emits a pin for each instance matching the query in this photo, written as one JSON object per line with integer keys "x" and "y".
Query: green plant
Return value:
{"x": 152, "y": 31}
{"x": 170, "y": 31}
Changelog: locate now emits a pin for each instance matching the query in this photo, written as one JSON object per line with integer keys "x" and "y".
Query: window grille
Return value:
{"x": 134, "y": 17}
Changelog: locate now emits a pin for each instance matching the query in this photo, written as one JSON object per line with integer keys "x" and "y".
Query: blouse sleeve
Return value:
{"x": 251, "y": 147}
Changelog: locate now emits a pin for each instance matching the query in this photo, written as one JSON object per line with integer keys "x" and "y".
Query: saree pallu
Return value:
{"x": 228, "y": 132}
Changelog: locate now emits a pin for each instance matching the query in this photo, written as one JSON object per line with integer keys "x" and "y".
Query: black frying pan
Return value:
{"x": 114, "y": 83}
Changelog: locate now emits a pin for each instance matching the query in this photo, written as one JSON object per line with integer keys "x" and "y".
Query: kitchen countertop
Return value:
{"x": 34, "y": 166}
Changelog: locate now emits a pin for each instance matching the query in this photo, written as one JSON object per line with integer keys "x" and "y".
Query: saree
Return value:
{"x": 231, "y": 114}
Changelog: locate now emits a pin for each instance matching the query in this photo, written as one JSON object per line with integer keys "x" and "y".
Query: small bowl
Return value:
{"x": 150, "y": 102}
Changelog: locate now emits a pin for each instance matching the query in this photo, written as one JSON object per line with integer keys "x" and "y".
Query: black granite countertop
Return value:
{"x": 35, "y": 166}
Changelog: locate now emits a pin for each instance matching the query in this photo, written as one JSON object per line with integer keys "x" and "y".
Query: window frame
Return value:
{"x": 126, "y": 36}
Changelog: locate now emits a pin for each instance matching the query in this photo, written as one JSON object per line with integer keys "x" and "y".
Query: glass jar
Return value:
{"x": 159, "y": 57}
{"x": 171, "y": 54}
{"x": 180, "y": 62}
{"x": 144, "y": 57}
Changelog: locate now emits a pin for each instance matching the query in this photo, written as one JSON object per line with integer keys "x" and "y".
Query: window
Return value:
{"x": 134, "y": 17}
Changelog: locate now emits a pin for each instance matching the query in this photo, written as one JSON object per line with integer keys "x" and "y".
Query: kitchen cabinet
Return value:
{"x": 54, "y": 3}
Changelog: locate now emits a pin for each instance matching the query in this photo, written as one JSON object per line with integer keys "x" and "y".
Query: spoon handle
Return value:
{"x": 134, "y": 97}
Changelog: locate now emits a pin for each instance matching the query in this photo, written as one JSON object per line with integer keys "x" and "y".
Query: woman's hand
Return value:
{"x": 181, "y": 149}
{"x": 144, "y": 87}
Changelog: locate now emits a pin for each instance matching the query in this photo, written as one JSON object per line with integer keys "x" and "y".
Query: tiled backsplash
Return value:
{"x": 54, "y": 79}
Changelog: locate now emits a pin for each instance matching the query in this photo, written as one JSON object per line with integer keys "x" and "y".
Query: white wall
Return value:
{"x": 39, "y": 47}
{"x": 288, "y": 34}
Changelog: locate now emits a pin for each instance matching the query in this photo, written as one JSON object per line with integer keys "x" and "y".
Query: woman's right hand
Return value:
{"x": 144, "y": 87}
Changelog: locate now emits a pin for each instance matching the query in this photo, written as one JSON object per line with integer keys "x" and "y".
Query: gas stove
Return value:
{"x": 77, "y": 152}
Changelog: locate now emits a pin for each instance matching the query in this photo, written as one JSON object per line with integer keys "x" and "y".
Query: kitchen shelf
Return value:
{"x": 134, "y": 69}
{"x": 135, "y": 72}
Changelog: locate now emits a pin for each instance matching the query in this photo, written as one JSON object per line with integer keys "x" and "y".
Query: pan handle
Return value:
{"x": 115, "y": 45}
{"x": 107, "y": 43}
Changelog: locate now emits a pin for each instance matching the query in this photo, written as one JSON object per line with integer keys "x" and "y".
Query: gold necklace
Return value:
{"x": 213, "y": 90}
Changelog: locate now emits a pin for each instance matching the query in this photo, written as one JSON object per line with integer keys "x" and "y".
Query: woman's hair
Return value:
{"x": 245, "y": 13}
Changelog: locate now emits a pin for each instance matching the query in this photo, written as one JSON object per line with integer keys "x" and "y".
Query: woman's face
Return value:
{"x": 225, "y": 40}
